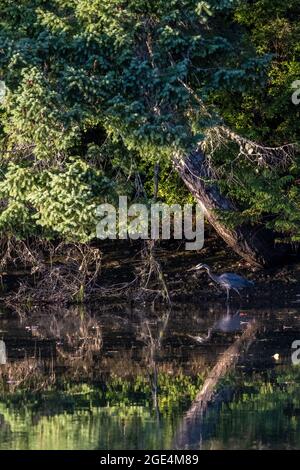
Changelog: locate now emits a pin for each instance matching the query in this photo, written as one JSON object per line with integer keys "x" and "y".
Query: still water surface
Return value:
{"x": 115, "y": 377}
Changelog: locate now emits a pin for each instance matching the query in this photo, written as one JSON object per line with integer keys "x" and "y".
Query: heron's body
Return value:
{"x": 227, "y": 281}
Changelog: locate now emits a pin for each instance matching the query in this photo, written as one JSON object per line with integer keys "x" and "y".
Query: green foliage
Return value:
{"x": 63, "y": 203}
{"x": 104, "y": 81}
{"x": 111, "y": 415}
{"x": 274, "y": 29}
{"x": 267, "y": 115}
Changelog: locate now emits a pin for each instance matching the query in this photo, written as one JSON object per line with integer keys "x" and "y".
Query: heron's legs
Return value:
{"x": 237, "y": 291}
{"x": 228, "y": 293}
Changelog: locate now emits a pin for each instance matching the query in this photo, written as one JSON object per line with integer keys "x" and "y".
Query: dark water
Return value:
{"x": 114, "y": 377}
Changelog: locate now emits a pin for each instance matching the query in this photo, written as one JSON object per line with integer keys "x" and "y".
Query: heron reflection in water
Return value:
{"x": 229, "y": 323}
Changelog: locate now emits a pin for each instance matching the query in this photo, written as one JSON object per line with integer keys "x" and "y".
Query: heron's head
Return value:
{"x": 199, "y": 266}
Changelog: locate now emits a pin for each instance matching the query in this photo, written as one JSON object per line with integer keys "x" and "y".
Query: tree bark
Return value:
{"x": 255, "y": 244}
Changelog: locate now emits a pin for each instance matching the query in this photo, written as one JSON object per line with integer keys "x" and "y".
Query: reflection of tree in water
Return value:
{"x": 76, "y": 339}
{"x": 191, "y": 432}
{"x": 152, "y": 333}
{"x": 130, "y": 356}
{"x": 30, "y": 375}
{"x": 127, "y": 359}
{"x": 79, "y": 339}
{"x": 79, "y": 351}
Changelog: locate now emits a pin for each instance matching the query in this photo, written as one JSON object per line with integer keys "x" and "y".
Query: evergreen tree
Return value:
{"x": 98, "y": 90}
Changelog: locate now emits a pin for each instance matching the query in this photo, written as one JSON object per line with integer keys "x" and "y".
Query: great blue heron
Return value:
{"x": 227, "y": 281}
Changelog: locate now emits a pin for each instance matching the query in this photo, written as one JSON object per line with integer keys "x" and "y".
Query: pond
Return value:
{"x": 121, "y": 377}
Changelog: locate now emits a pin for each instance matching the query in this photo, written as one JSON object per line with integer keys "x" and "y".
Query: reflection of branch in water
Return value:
{"x": 190, "y": 432}
{"x": 76, "y": 335}
{"x": 30, "y": 374}
{"x": 153, "y": 346}
{"x": 83, "y": 346}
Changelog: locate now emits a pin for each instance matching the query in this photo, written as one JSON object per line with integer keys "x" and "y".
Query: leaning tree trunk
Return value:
{"x": 254, "y": 244}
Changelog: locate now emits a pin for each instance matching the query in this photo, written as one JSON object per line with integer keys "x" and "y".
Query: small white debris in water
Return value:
{"x": 276, "y": 357}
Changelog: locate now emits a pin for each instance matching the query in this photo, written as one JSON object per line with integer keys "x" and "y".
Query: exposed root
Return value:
{"x": 68, "y": 275}
{"x": 15, "y": 252}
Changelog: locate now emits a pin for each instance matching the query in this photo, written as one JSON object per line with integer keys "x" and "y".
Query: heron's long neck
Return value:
{"x": 211, "y": 275}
